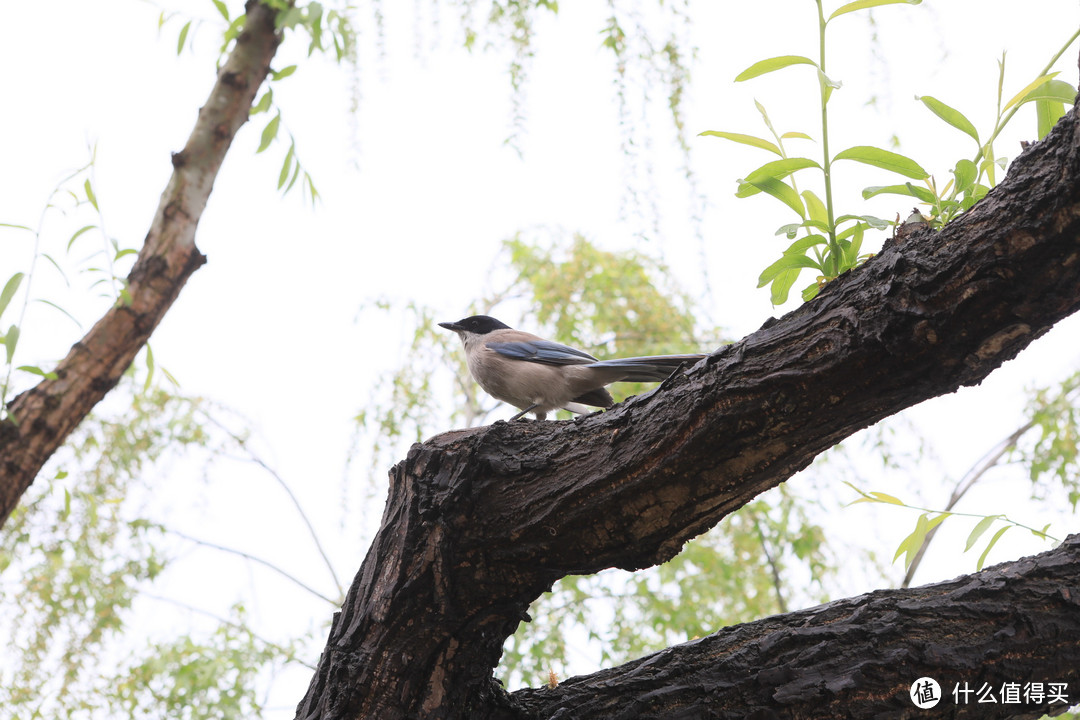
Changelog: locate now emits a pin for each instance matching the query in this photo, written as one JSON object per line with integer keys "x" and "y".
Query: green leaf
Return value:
{"x": 782, "y": 192}
{"x": 183, "y": 37}
{"x": 283, "y": 73}
{"x": 149, "y": 367}
{"x": 1053, "y": 90}
{"x": 950, "y": 115}
{"x": 745, "y": 140}
{"x": 791, "y": 229}
{"x": 916, "y": 539}
{"x": 1029, "y": 89}
{"x": 883, "y": 159}
{"x": 233, "y": 31}
{"x": 765, "y": 116}
{"x": 169, "y": 376}
{"x": 906, "y": 189}
{"x": 35, "y": 370}
{"x": 938, "y": 519}
{"x": 264, "y": 102}
{"x": 11, "y": 339}
{"x": 872, "y": 221}
{"x": 1001, "y": 79}
{"x": 295, "y": 175}
{"x": 15, "y": 227}
{"x": 989, "y": 165}
{"x": 989, "y": 546}
{"x": 863, "y": 4}
{"x": 90, "y": 194}
{"x": 772, "y": 64}
{"x": 977, "y": 193}
{"x": 966, "y": 173}
{"x": 289, "y": 18}
{"x": 864, "y": 498}
{"x": 777, "y": 169}
{"x": 851, "y": 249}
{"x": 269, "y": 133}
{"x": 50, "y": 303}
{"x": 1050, "y": 100}
{"x": 786, "y": 262}
{"x": 800, "y": 246}
{"x": 286, "y": 166}
{"x": 816, "y": 209}
{"x": 10, "y": 288}
{"x": 886, "y": 498}
{"x": 221, "y": 9}
{"x": 911, "y": 544}
{"x": 809, "y": 293}
{"x": 796, "y": 135}
{"x": 828, "y": 84}
{"x": 1047, "y": 114}
{"x": 80, "y": 231}
{"x": 781, "y": 286}
{"x": 980, "y": 527}
{"x": 67, "y": 505}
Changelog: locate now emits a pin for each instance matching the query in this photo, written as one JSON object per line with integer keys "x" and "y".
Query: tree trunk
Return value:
{"x": 479, "y": 523}
{"x": 41, "y": 418}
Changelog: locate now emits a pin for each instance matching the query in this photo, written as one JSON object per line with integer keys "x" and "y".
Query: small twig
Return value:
{"x": 260, "y": 561}
{"x": 288, "y": 491}
{"x": 777, "y": 584}
{"x": 289, "y": 654}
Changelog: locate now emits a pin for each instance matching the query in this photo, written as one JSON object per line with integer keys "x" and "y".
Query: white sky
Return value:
{"x": 418, "y": 192}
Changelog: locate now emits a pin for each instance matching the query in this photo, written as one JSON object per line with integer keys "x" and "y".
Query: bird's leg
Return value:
{"x": 524, "y": 412}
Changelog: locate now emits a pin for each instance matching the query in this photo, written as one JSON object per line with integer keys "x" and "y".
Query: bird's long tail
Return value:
{"x": 647, "y": 369}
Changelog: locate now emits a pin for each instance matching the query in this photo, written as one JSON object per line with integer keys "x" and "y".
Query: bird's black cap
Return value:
{"x": 477, "y": 324}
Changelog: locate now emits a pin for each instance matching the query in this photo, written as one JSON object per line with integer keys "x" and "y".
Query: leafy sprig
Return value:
{"x": 930, "y": 519}
{"x": 973, "y": 177}
{"x": 830, "y": 242}
{"x": 327, "y": 30}
{"x": 73, "y": 196}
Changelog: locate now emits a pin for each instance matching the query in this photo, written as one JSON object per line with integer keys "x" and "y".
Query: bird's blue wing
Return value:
{"x": 542, "y": 351}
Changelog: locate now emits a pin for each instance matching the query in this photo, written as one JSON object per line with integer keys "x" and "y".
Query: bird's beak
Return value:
{"x": 450, "y": 326}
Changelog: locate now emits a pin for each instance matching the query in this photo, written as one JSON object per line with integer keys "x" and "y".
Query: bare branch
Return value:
{"x": 254, "y": 457}
{"x": 41, "y": 418}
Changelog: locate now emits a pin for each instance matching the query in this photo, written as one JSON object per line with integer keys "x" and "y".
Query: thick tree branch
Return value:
{"x": 42, "y": 417}
{"x": 479, "y": 523}
{"x": 857, "y": 658}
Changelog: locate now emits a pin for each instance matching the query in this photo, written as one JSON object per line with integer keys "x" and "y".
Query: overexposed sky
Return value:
{"x": 418, "y": 190}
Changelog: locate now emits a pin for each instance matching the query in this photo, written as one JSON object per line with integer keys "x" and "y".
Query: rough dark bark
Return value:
{"x": 41, "y": 418}
{"x": 479, "y": 523}
{"x": 856, "y": 658}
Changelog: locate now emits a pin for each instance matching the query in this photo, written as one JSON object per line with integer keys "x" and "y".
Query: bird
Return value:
{"x": 539, "y": 376}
